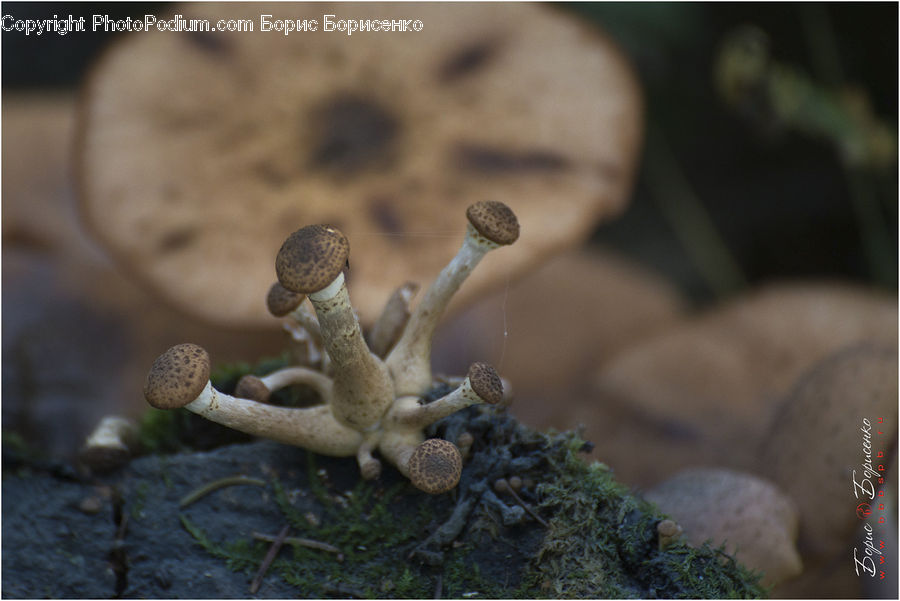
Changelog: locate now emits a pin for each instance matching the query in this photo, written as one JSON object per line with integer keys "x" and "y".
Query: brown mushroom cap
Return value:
{"x": 495, "y": 221}
{"x": 435, "y": 466}
{"x": 177, "y": 377}
{"x": 485, "y": 382}
{"x": 251, "y": 387}
{"x": 198, "y": 154}
{"x": 311, "y": 258}
{"x": 280, "y": 301}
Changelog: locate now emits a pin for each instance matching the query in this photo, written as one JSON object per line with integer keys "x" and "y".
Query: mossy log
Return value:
{"x": 582, "y": 535}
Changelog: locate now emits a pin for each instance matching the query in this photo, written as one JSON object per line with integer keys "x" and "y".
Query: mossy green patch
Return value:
{"x": 602, "y": 542}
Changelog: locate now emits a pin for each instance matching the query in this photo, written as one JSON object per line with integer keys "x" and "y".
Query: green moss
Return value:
{"x": 602, "y": 542}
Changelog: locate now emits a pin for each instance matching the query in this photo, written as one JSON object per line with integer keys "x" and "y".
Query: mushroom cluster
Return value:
{"x": 373, "y": 402}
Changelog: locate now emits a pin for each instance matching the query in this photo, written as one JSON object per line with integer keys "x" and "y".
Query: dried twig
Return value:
{"x": 216, "y": 485}
{"x": 268, "y": 559}
{"x": 299, "y": 542}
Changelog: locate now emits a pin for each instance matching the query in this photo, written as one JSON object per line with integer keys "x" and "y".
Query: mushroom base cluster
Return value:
{"x": 373, "y": 391}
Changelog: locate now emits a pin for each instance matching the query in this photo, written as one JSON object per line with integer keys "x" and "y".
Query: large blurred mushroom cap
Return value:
{"x": 201, "y": 152}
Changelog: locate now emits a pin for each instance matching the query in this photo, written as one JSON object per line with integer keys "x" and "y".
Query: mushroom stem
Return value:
{"x": 397, "y": 447}
{"x": 491, "y": 225}
{"x": 369, "y": 466}
{"x": 362, "y": 390}
{"x": 307, "y": 320}
{"x": 313, "y": 428}
{"x": 482, "y": 385}
{"x": 389, "y": 325}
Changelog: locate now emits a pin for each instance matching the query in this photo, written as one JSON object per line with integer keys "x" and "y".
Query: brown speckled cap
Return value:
{"x": 311, "y": 258}
{"x": 251, "y": 387}
{"x": 435, "y": 466}
{"x": 177, "y": 377}
{"x": 281, "y": 301}
{"x": 495, "y": 221}
{"x": 197, "y": 157}
{"x": 485, "y": 382}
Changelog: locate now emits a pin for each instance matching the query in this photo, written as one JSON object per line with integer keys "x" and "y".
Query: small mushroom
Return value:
{"x": 491, "y": 225}
{"x": 435, "y": 466}
{"x": 669, "y": 532}
{"x": 110, "y": 445}
{"x": 261, "y": 388}
{"x": 310, "y": 262}
{"x": 180, "y": 378}
{"x": 755, "y": 520}
{"x": 482, "y": 385}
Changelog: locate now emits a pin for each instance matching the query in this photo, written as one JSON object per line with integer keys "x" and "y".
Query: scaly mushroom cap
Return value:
{"x": 485, "y": 382}
{"x": 435, "y": 466}
{"x": 495, "y": 221}
{"x": 311, "y": 258}
{"x": 177, "y": 377}
{"x": 280, "y": 301}
{"x": 251, "y": 387}
{"x": 198, "y": 156}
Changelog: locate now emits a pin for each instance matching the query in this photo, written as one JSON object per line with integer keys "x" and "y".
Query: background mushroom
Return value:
{"x": 199, "y": 154}
{"x": 755, "y": 520}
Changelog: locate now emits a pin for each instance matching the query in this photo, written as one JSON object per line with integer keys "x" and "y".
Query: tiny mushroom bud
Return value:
{"x": 491, "y": 225}
{"x": 464, "y": 443}
{"x": 260, "y": 389}
{"x": 311, "y": 261}
{"x": 435, "y": 466}
{"x": 280, "y": 301}
{"x": 251, "y": 387}
{"x": 180, "y": 378}
{"x": 669, "y": 532}
{"x": 515, "y": 483}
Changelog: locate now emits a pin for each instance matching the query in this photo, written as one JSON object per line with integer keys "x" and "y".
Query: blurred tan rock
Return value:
{"x": 825, "y": 437}
{"x": 78, "y": 335}
{"x": 752, "y": 517}
{"x": 547, "y": 332}
{"x": 705, "y": 390}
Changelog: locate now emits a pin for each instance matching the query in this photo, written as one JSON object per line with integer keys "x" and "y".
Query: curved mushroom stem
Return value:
{"x": 313, "y": 428}
{"x": 307, "y": 319}
{"x": 369, "y": 466}
{"x": 259, "y": 389}
{"x": 398, "y": 446}
{"x": 362, "y": 390}
{"x": 410, "y": 360}
{"x": 491, "y": 225}
{"x": 482, "y": 385}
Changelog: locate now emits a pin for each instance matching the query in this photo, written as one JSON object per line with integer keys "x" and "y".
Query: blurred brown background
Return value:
{"x": 760, "y": 239}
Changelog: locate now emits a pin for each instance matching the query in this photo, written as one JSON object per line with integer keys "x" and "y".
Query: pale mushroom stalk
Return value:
{"x": 491, "y": 225}
{"x": 482, "y": 385}
{"x": 362, "y": 389}
{"x": 260, "y": 388}
{"x": 310, "y": 262}
{"x": 369, "y": 466}
{"x": 180, "y": 378}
